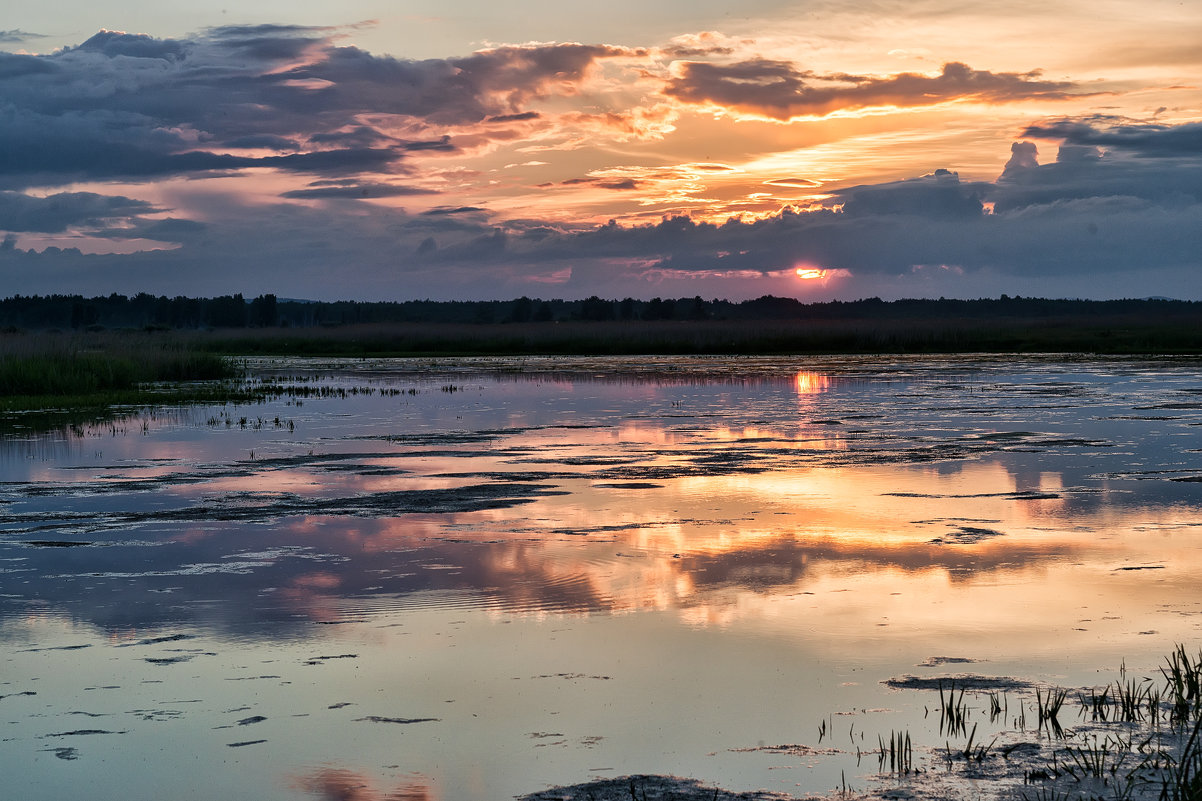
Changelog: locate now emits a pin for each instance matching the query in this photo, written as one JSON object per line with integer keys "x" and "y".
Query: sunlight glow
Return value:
{"x": 811, "y": 383}
{"x": 811, "y": 273}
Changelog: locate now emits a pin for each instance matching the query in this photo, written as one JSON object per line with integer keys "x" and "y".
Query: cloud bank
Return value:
{"x": 270, "y": 158}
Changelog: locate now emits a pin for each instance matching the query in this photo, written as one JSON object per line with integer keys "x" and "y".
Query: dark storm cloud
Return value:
{"x": 13, "y": 65}
{"x": 1086, "y": 213}
{"x": 443, "y": 210}
{"x": 132, "y": 106}
{"x": 114, "y": 44}
{"x": 779, "y": 90}
{"x": 1142, "y": 138}
{"x": 264, "y": 141}
{"x": 939, "y": 196}
{"x": 620, "y": 184}
{"x": 521, "y": 117}
{"x": 1152, "y": 162}
{"x": 56, "y": 213}
{"x": 357, "y": 192}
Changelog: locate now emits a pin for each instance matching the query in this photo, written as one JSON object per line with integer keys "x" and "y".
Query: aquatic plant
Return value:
{"x": 898, "y": 751}
{"x": 1048, "y": 709}
{"x": 1183, "y": 677}
{"x": 953, "y": 714}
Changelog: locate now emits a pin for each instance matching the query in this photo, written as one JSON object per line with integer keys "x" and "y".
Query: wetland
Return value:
{"x": 610, "y": 577}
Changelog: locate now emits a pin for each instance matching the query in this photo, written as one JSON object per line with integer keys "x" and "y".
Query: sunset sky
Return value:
{"x": 821, "y": 149}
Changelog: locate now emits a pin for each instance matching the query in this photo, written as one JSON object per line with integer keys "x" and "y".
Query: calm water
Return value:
{"x": 478, "y": 579}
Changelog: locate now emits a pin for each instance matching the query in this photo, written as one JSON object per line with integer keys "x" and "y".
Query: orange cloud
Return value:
{"x": 780, "y": 91}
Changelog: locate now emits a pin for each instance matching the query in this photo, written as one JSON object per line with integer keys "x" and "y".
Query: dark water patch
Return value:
{"x": 365, "y": 470}
{"x": 250, "y": 678}
{"x": 967, "y": 535}
{"x": 649, "y": 788}
{"x": 169, "y": 660}
{"x": 157, "y": 715}
{"x": 962, "y": 681}
{"x": 575, "y": 461}
{"x": 1173, "y": 405}
{"x": 57, "y": 648}
{"x": 721, "y": 467}
{"x": 18, "y": 695}
{"x": 524, "y": 476}
{"x": 57, "y": 543}
{"x": 572, "y": 676}
{"x": 637, "y": 485}
{"x": 321, "y": 660}
{"x": 1140, "y": 567}
{"x": 68, "y": 754}
{"x": 791, "y": 749}
{"x": 936, "y": 661}
{"x": 1021, "y": 495}
{"x": 1160, "y": 417}
{"x": 1187, "y": 479}
{"x": 88, "y": 714}
{"x": 157, "y": 640}
{"x": 245, "y": 743}
{"x": 82, "y": 733}
{"x": 340, "y": 705}
{"x": 252, "y": 720}
{"x": 253, "y": 508}
{"x": 402, "y": 721}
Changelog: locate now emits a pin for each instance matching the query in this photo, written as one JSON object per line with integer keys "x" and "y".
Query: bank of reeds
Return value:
{"x": 1120, "y": 336}
{"x": 50, "y": 380}
{"x": 50, "y": 365}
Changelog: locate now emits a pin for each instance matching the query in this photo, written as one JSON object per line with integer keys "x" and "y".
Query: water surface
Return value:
{"x": 478, "y": 579}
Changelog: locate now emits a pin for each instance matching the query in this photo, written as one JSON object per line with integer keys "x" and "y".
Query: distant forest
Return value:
{"x": 148, "y": 312}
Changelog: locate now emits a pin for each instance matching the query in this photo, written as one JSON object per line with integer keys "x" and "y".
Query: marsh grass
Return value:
{"x": 853, "y": 335}
{"x": 953, "y": 712}
{"x": 898, "y": 751}
{"x": 1048, "y": 708}
{"x": 49, "y": 381}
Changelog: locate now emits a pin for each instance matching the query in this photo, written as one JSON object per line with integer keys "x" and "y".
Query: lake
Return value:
{"x": 482, "y": 578}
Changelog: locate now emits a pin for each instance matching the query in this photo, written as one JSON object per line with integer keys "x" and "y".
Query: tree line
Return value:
{"x": 150, "y": 312}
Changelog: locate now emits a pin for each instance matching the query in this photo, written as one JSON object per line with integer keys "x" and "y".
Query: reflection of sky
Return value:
{"x": 853, "y": 522}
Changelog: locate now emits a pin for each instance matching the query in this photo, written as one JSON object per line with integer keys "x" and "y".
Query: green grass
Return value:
{"x": 51, "y": 381}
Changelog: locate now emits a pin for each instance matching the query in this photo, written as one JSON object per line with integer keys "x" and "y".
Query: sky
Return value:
{"x": 817, "y": 149}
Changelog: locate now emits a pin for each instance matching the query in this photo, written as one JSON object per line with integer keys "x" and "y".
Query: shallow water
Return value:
{"x": 477, "y": 579}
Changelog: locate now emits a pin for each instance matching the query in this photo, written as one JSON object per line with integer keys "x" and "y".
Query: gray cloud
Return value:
{"x": 1151, "y": 162}
{"x": 1142, "y": 138}
{"x": 57, "y": 213}
{"x": 132, "y": 106}
{"x": 17, "y": 36}
{"x": 357, "y": 192}
{"x": 778, "y": 89}
{"x": 937, "y": 196}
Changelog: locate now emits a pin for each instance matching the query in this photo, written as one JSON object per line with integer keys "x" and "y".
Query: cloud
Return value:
{"x": 1147, "y": 161}
{"x": 357, "y": 192}
{"x": 131, "y": 106}
{"x": 444, "y": 210}
{"x": 779, "y": 90}
{"x": 17, "y": 36}
{"x": 1142, "y": 138}
{"x": 57, "y": 213}
{"x": 937, "y": 196}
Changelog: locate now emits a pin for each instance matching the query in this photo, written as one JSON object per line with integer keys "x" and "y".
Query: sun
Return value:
{"x": 811, "y": 273}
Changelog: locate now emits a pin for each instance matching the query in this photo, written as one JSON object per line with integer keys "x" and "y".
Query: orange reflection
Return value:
{"x": 811, "y": 383}
{"x": 336, "y": 784}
